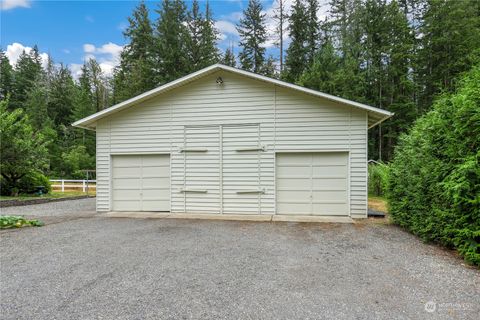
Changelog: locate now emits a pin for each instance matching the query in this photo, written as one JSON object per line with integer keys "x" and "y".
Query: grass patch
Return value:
{"x": 52, "y": 195}
{"x": 377, "y": 204}
{"x": 7, "y": 222}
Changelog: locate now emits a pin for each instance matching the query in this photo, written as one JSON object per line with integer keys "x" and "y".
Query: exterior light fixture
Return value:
{"x": 219, "y": 81}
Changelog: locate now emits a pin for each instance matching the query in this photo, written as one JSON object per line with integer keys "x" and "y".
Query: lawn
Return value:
{"x": 377, "y": 204}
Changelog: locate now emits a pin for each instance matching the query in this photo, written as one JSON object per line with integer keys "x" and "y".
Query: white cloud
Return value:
{"x": 87, "y": 47}
{"x": 76, "y": 70}
{"x": 226, "y": 27}
{"x": 12, "y": 4}
{"x": 107, "y": 56}
{"x": 15, "y": 49}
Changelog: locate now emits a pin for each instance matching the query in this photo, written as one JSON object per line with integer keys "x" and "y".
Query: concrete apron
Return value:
{"x": 231, "y": 217}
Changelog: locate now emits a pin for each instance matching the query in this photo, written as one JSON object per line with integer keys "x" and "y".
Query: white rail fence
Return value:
{"x": 74, "y": 184}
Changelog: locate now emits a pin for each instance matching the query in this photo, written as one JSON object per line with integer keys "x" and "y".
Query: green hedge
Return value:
{"x": 434, "y": 184}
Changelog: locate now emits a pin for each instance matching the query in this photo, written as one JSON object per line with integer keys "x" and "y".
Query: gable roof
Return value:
{"x": 375, "y": 115}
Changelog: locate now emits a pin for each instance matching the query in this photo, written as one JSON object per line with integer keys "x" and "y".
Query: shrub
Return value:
{"x": 377, "y": 179}
{"x": 26, "y": 185}
{"x": 434, "y": 185}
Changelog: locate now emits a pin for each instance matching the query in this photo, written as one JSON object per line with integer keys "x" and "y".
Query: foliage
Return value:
{"x": 296, "y": 59}
{"x": 253, "y": 34}
{"x": 434, "y": 187}
{"x": 7, "y": 222}
{"x": 229, "y": 58}
{"x": 23, "y": 150}
{"x": 171, "y": 35}
{"x": 377, "y": 179}
{"x": 27, "y": 184}
{"x": 76, "y": 160}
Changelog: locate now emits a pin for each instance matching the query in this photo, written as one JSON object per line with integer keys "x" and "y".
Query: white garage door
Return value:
{"x": 312, "y": 183}
{"x": 141, "y": 183}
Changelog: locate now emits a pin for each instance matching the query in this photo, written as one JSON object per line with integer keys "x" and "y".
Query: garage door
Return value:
{"x": 312, "y": 183}
{"x": 141, "y": 183}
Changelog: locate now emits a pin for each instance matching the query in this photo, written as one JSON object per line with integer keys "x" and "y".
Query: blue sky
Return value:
{"x": 71, "y": 31}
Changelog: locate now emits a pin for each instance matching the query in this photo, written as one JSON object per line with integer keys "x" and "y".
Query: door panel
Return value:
{"x": 141, "y": 183}
{"x": 312, "y": 183}
{"x": 241, "y": 169}
{"x": 201, "y": 169}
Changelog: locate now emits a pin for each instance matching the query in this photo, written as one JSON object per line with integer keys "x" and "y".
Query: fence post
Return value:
{"x": 63, "y": 185}
{"x": 83, "y": 185}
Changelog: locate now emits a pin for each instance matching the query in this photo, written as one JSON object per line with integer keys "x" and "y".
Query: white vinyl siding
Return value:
{"x": 280, "y": 119}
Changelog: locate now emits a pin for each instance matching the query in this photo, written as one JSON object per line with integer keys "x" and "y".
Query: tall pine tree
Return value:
{"x": 202, "y": 40}
{"x": 450, "y": 44}
{"x": 171, "y": 37}
{"x": 296, "y": 58}
{"x": 136, "y": 72}
{"x": 253, "y": 35}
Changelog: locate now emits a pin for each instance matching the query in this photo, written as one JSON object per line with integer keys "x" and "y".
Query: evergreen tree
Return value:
{"x": 195, "y": 23}
{"x": 280, "y": 17}
{"x": 209, "y": 38}
{"x": 6, "y": 76}
{"x": 36, "y": 106}
{"x": 170, "y": 41}
{"x": 312, "y": 30}
{"x": 322, "y": 74}
{"x": 450, "y": 44}
{"x": 229, "y": 58}
{"x": 296, "y": 58}
{"x": 28, "y": 70}
{"x": 136, "y": 73}
{"x": 253, "y": 34}
{"x": 201, "y": 46}
{"x": 99, "y": 85}
{"x": 61, "y": 93}
{"x": 269, "y": 68}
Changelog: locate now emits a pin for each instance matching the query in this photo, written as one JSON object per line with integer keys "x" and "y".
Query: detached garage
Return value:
{"x": 226, "y": 141}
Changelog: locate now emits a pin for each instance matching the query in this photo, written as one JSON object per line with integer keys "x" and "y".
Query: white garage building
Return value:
{"x": 226, "y": 141}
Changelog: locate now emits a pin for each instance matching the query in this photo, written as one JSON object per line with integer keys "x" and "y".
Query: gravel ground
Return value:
{"x": 81, "y": 207}
{"x": 108, "y": 268}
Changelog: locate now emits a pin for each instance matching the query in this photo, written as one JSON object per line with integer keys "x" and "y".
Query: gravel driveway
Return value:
{"x": 113, "y": 268}
{"x": 55, "y": 212}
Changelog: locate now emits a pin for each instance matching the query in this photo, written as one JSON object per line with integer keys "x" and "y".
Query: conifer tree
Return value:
{"x": 229, "y": 58}
{"x": 449, "y": 45}
{"x": 280, "y": 17}
{"x": 313, "y": 30}
{"x": 135, "y": 74}
{"x": 269, "y": 68}
{"x": 253, "y": 34}
{"x": 6, "y": 76}
{"x": 28, "y": 70}
{"x": 171, "y": 37}
{"x": 202, "y": 38}
{"x": 209, "y": 38}
{"x": 195, "y": 23}
{"x": 296, "y": 58}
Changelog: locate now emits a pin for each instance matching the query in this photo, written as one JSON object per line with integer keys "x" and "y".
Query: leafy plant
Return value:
{"x": 434, "y": 185}
{"x": 377, "y": 179}
{"x": 7, "y": 222}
